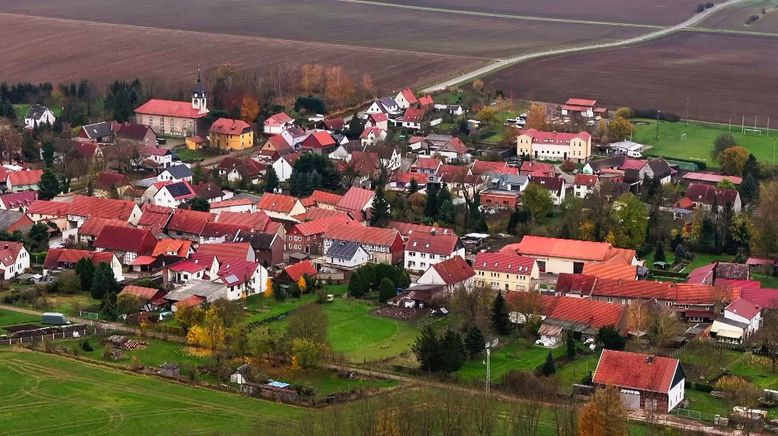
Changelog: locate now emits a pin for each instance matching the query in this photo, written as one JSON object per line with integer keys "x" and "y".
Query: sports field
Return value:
{"x": 699, "y": 139}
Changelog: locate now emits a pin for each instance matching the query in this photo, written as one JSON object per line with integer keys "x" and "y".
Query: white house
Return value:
{"x": 584, "y": 184}
{"x": 161, "y": 157}
{"x": 242, "y": 278}
{"x": 172, "y": 194}
{"x": 455, "y": 110}
{"x": 555, "y": 146}
{"x": 555, "y": 185}
{"x": 347, "y": 254}
{"x": 275, "y": 124}
{"x": 450, "y": 274}
{"x": 38, "y": 115}
{"x": 423, "y": 250}
{"x": 372, "y": 136}
{"x": 379, "y": 120}
{"x": 411, "y": 119}
{"x": 283, "y": 166}
{"x": 175, "y": 173}
{"x": 742, "y": 318}
{"x": 14, "y": 259}
{"x": 406, "y": 98}
{"x": 386, "y": 105}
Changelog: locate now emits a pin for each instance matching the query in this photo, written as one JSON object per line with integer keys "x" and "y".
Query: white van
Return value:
{"x": 635, "y": 154}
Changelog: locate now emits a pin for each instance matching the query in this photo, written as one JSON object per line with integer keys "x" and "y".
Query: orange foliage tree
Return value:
{"x": 536, "y": 119}
{"x": 603, "y": 415}
{"x": 311, "y": 79}
{"x": 249, "y": 109}
{"x": 339, "y": 88}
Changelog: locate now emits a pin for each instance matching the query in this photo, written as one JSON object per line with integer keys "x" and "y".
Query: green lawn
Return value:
{"x": 705, "y": 259}
{"x": 8, "y": 318}
{"x": 188, "y": 155}
{"x": 705, "y": 403}
{"x": 261, "y": 308}
{"x": 699, "y": 140}
{"x": 155, "y": 354}
{"x": 767, "y": 281}
{"x": 573, "y": 372}
{"x": 326, "y": 382}
{"x": 520, "y": 355}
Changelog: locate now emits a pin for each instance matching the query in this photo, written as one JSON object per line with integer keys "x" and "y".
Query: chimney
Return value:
{"x": 434, "y": 232}
{"x": 650, "y": 359}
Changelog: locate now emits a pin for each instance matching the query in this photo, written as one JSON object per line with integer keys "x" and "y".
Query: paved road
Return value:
{"x": 502, "y": 63}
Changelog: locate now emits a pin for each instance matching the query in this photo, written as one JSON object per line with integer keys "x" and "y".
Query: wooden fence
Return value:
{"x": 80, "y": 331}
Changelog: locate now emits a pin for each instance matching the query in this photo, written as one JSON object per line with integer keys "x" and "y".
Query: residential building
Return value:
{"x": 537, "y": 169}
{"x": 556, "y": 255}
{"x": 347, "y": 255}
{"x": 173, "y": 194}
{"x": 423, "y": 250}
{"x": 452, "y": 273}
{"x": 284, "y": 165}
{"x": 427, "y": 165}
{"x": 411, "y": 120}
{"x": 156, "y": 157}
{"x": 18, "y": 181}
{"x": 320, "y": 142}
{"x": 583, "y": 108}
{"x": 584, "y": 184}
{"x": 38, "y": 115}
{"x": 126, "y": 243}
{"x": 268, "y": 247}
{"x": 14, "y": 259}
{"x": 17, "y": 200}
{"x": 100, "y": 133}
{"x": 383, "y": 245}
{"x": 277, "y": 123}
{"x": 308, "y": 237}
{"x": 358, "y": 202}
{"x": 741, "y": 319}
{"x": 109, "y": 183}
{"x": 175, "y": 173}
{"x": 555, "y": 186}
{"x": 238, "y": 169}
{"x": 228, "y": 251}
{"x": 372, "y": 136}
{"x": 705, "y": 196}
{"x": 228, "y": 134}
{"x": 92, "y": 227}
{"x": 175, "y": 118}
{"x": 322, "y": 199}
{"x": 137, "y": 133}
{"x": 243, "y": 278}
{"x": 648, "y": 382}
{"x": 280, "y": 204}
{"x": 506, "y": 271}
{"x": 385, "y": 105}
{"x": 557, "y": 146}
{"x": 67, "y": 258}
{"x": 406, "y": 99}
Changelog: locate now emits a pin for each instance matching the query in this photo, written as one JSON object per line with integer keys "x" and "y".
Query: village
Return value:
{"x": 308, "y": 258}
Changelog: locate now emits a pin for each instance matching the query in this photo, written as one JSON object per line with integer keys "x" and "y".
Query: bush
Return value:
{"x": 700, "y": 7}
{"x": 567, "y": 166}
{"x": 86, "y": 346}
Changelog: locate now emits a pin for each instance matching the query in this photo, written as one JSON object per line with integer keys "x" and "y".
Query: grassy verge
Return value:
{"x": 520, "y": 355}
{"x": 9, "y": 318}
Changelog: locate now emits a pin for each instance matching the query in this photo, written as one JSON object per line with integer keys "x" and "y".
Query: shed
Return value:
{"x": 172, "y": 370}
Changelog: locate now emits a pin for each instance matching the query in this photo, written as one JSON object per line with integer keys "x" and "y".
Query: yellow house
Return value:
{"x": 194, "y": 142}
{"x": 506, "y": 271}
{"x": 231, "y": 134}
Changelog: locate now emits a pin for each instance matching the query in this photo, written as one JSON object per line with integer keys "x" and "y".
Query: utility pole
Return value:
{"x": 488, "y": 348}
{"x": 657, "y": 123}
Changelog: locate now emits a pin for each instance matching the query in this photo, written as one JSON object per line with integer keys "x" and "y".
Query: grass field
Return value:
{"x": 261, "y": 308}
{"x": 699, "y": 140}
{"x": 520, "y": 355}
{"x": 9, "y": 318}
{"x": 187, "y": 155}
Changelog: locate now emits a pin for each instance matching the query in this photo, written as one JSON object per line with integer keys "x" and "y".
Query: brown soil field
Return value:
{"x": 721, "y": 75}
{"x": 62, "y": 50}
{"x": 735, "y": 17}
{"x": 333, "y": 22}
{"x": 660, "y": 12}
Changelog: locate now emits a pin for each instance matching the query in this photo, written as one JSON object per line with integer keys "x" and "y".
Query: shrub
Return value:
{"x": 700, "y": 7}
{"x": 86, "y": 346}
{"x": 567, "y": 166}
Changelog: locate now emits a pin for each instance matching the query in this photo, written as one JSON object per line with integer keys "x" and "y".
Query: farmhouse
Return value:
{"x": 137, "y": 133}
{"x": 227, "y": 134}
{"x": 406, "y": 99}
{"x": 277, "y": 123}
{"x": 648, "y": 382}
{"x": 741, "y": 319}
{"x": 280, "y": 204}
{"x": 555, "y": 255}
{"x": 14, "y": 259}
{"x": 67, "y": 258}
{"x": 126, "y": 243}
{"x": 583, "y": 108}
{"x": 451, "y": 274}
{"x": 424, "y": 249}
{"x": 38, "y": 115}
{"x": 175, "y": 118}
{"x": 506, "y": 271}
{"x": 557, "y": 146}
{"x": 384, "y": 245}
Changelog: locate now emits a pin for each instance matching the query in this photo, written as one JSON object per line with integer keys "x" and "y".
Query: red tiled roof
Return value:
{"x": 406, "y": 177}
{"x": 455, "y": 144}
{"x": 208, "y": 191}
{"x": 319, "y": 139}
{"x": 177, "y": 247}
{"x": 454, "y": 270}
{"x": 189, "y": 221}
{"x": 218, "y": 230}
{"x": 224, "y": 251}
{"x": 315, "y": 213}
{"x": 72, "y": 256}
{"x": 376, "y": 131}
{"x": 481, "y": 167}
{"x": 585, "y": 180}
{"x": 575, "y": 283}
{"x": 140, "y": 291}
{"x": 736, "y": 283}
{"x": 561, "y": 138}
{"x": 93, "y": 226}
{"x": 581, "y": 102}
{"x": 503, "y": 262}
{"x": 413, "y": 115}
{"x": 701, "y": 274}
{"x": 297, "y": 270}
{"x": 277, "y": 203}
{"x": 153, "y": 215}
{"x": 765, "y": 298}
{"x": 9, "y": 251}
{"x": 426, "y": 100}
{"x": 596, "y": 314}
{"x": 127, "y": 239}
{"x": 680, "y": 293}
{"x": 365, "y": 235}
{"x": 85, "y": 149}
{"x": 529, "y": 166}
{"x": 191, "y": 301}
{"x": 432, "y": 244}
{"x": 378, "y": 117}
{"x": 231, "y": 203}
{"x": 24, "y": 178}
{"x": 684, "y": 203}
{"x": 169, "y": 108}
{"x": 553, "y": 184}
{"x": 189, "y": 266}
{"x": 454, "y": 170}
{"x": 101, "y": 207}
{"x": 107, "y": 180}
{"x": 633, "y": 164}
{"x": 227, "y": 126}
{"x": 705, "y": 194}
{"x": 427, "y": 163}
{"x": 636, "y": 371}
{"x": 320, "y": 226}
{"x": 153, "y": 151}
{"x": 16, "y": 200}
{"x": 135, "y": 132}
{"x": 258, "y": 221}
{"x": 321, "y": 197}
{"x": 562, "y": 248}
{"x": 409, "y": 97}
{"x": 246, "y": 167}
{"x": 237, "y": 271}
{"x": 611, "y": 271}
{"x": 406, "y": 229}
{"x": 279, "y": 118}
{"x": 744, "y": 308}
{"x": 711, "y": 178}
{"x": 355, "y": 199}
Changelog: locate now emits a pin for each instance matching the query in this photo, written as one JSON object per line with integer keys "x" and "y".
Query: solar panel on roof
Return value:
{"x": 178, "y": 189}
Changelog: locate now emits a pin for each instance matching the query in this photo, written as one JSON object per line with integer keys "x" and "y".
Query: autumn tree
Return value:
{"x": 339, "y": 88}
{"x": 722, "y": 142}
{"x": 537, "y": 201}
{"x": 739, "y": 392}
{"x": 210, "y": 334}
{"x": 631, "y": 217}
{"x": 478, "y": 85}
{"x": 604, "y": 415}
{"x": 308, "y": 322}
{"x": 487, "y": 115}
{"x": 624, "y": 112}
{"x": 767, "y": 338}
{"x": 765, "y": 232}
{"x": 311, "y": 80}
{"x": 733, "y": 160}
{"x": 620, "y": 129}
{"x": 471, "y": 307}
{"x": 536, "y": 118}
{"x": 249, "y": 109}
{"x": 366, "y": 86}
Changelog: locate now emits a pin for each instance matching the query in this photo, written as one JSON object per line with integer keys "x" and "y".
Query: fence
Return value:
{"x": 692, "y": 414}
{"x": 81, "y": 332}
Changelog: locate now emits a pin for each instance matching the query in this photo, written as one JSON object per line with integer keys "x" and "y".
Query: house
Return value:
{"x": 710, "y": 178}
{"x": 741, "y": 319}
{"x": 411, "y": 119}
{"x": 175, "y": 173}
{"x": 228, "y": 251}
{"x": 236, "y": 205}
{"x": 89, "y": 151}
{"x": 155, "y": 157}
{"x": 379, "y": 120}
{"x": 146, "y": 296}
{"x": 426, "y": 102}
{"x": 197, "y": 267}
{"x": 172, "y": 247}
{"x": 408, "y": 229}
{"x": 67, "y": 258}
{"x": 426, "y": 165}
{"x": 343, "y": 151}
{"x": 365, "y": 165}
{"x": 451, "y": 274}
{"x": 358, "y": 202}
{"x": 293, "y": 273}
{"x": 555, "y": 185}
{"x": 401, "y": 181}
{"x": 347, "y": 255}
{"x": 385, "y": 105}
{"x": 537, "y": 169}
{"x": 319, "y": 142}
{"x": 583, "y": 317}
{"x": 243, "y": 278}
{"x": 228, "y": 134}
{"x": 173, "y": 194}
{"x": 83, "y": 207}
{"x": 280, "y": 204}
{"x": 284, "y": 165}
{"x": 451, "y": 109}
{"x": 275, "y": 147}
{"x": 195, "y": 142}
{"x": 277, "y": 123}
{"x": 454, "y": 151}
{"x": 195, "y": 293}
{"x": 654, "y": 383}
{"x": 239, "y": 169}
{"x": 372, "y": 136}
{"x": 268, "y": 247}
{"x": 332, "y": 125}
{"x": 383, "y": 245}
{"x": 406, "y": 99}
{"x": 556, "y": 146}
{"x": 126, "y": 243}
{"x": 500, "y": 198}
{"x": 110, "y": 183}
{"x": 17, "y": 200}
{"x": 175, "y": 118}
{"x": 322, "y": 199}
{"x": 705, "y": 196}
{"x": 506, "y": 271}
{"x": 14, "y": 259}
{"x": 13, "y": 220}
{"x": 308, "y": 237}
{"x": 584, "y": 184}
{"x": 211, "y": 191}
{"x": 483, "y": 167}
{"x": 137, "y": 133}
{"x": 582, "y": 108}
{"x": 38, "y": 115}
{"x": 100, "y": 133}
{"x": 18, "y": 181}
{"x": 556, "y": 255}
{"x": 423, "y": 250}
{"x": 92, "y": 227}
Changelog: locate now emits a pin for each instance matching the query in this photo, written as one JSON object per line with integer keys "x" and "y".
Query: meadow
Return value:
{"x": 9, "y": 318}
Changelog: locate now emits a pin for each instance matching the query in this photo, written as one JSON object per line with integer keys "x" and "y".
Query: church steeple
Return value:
{"x": 199, "y": 98}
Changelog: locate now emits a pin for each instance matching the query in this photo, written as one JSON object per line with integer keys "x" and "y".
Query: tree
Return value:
{"x": 604, "y": 415}
{"x": 631, "y": 219}
{"x": 308, "y": 353}
{"x": 624, "y": 112}
{"x": 49, "y": 186}
{"x": 478, "y": 85}
{"x": 308, "y": 322}
{"x": 85, "y": 270}
{"x": 767, "y": 338}
{"x": 570, "y": 344}
{"x": 549, "y": 367}
{"x": 501, "y": 321}
{"x": 452, "y": 350}
{"x": 356, "y": 285}
{"x": 386, "y": 290}
{"x": 487, "y": 115}
{"x": 379, "y": 215}
{"x": 103, "y": 282}
{"x": 189, "y": 316}
{"x": 659, "y": 252}
{"x": 339, "y": 88}
{"x": 366, "y": 86}
{"x": 128, "y": 304}
{"x": 748, "y": 189}
{"x": 610, "y": 338}
{"x": 200, "y": 204}
{"x": 249, "y": 108}
{"x": 733, "y": 160}
{"x": 210, "y": 334}
{"x": 474, "y": 341}
{"x": 47, "y": 153}
{"x": 741, "y": 231}
{"x": 122, "y": 98}
{"x": 722, "y": 142}
{"x": 413, "y": 186}
{"x": 271, "y": 180}
{"x": 537, "y": 201}
{"x": 739, "y": 392}
{"x": 38, "y": 237}
{"x": 765, "y": 235}
{"x": 536, "y": 118}
{"x": 68, "y": 283}
{"x": 620, "y": 129}
{"x": 427, "y": 350}
{"x": 431, "y": 205}
{"x": 311, "y": 79}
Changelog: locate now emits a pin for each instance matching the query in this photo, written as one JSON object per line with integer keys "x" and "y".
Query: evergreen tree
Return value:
{"x": 85, "y": 270}
{"x": 356, "y": 285}
{"x": 513, "y": 221}
{"x": 428, "y": 350}
{"x": 104, "y": 283}
{"x": 659, "y": 252}
{"x": 452, "y": 350}
{"x": 549, "y": 367}
{"x": 610, "y": 338}
{"x": 431, "y": 206}
{"x": 38, "y": 237}
{"x": 199, "y": 176}
{"x": 49, "y": 186}
{"x": 48, "y": 153}
{"x": 200, "y": 204}
{"x": 749, "y": 189}
{"x": 447, "y": 213}
{"x": 474, "y": 341}
{"x": 413, "y": 186}
{"x": 380, "y": 212}
{"x": 443, "y": 196}
{"x": 570, "y": 343}
{"x": 501, "y": 321}
{"x": 386, "y": 290}
{"x": 271, "y": 180}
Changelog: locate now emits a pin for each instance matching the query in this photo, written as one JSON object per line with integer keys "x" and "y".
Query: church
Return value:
{"x": 175, "y": 118}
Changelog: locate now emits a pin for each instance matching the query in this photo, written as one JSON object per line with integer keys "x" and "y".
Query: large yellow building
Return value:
{"x": 231, "y": 134}
{"x": 555, "y": 146}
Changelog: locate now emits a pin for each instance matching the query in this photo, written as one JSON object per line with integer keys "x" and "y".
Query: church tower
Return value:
{"x": 199, "y": 98}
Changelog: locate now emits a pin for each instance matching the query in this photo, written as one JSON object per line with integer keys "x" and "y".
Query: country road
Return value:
{"x": 502, "y": 63}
